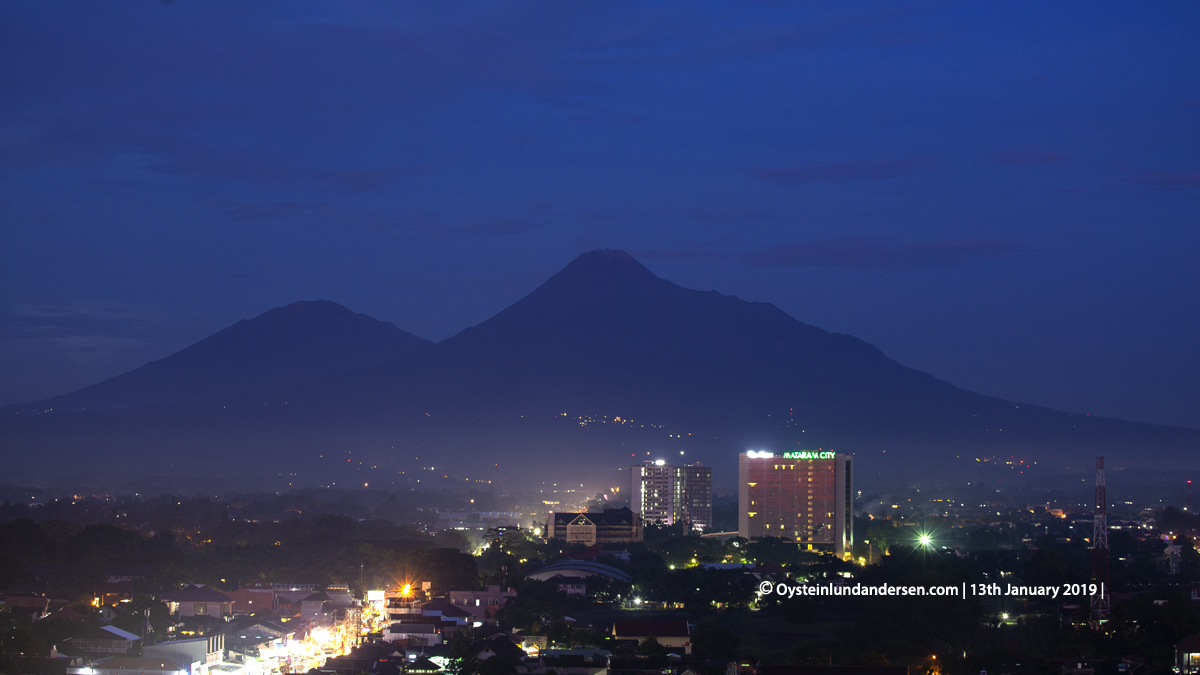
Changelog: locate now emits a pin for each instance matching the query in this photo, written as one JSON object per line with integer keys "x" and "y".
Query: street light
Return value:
{"x": 925, "y": 540}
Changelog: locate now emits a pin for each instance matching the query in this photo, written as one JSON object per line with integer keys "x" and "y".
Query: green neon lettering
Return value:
{"x": 809, "y": 454}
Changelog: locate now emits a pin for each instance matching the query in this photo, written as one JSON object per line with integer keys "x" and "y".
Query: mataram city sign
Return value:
{"x": 800, "y": 454}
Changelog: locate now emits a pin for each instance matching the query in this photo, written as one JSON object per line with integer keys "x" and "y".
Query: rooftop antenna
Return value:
{"x": 1100, "y": 599}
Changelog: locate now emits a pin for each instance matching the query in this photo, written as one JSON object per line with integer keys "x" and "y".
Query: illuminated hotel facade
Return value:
{"x": 805, "y": 497}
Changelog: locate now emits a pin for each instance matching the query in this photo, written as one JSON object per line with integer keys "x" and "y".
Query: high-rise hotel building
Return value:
{"x": 672, "y": 494}
{"x": 806, "y": 497}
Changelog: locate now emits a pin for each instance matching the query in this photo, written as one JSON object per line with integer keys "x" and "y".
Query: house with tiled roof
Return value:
{"x": 443, "y": 609}
{"x": 313, "y": 605}
{"x": 102, "y": 642}
{"x": 1187, "y": 655}
{"x": 482, "y": 605}
{"x": 500, "y": 646}
{"x": 67, "y": 614}
{"x": 198, "y": 600}
{"x": 423, "y": 665}
{"x": 253, "y": 598}
{"x": 258, "y": 637}
{"x": 27, "y": 604}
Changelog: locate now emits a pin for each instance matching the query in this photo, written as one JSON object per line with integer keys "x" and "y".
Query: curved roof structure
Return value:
{"x": 579, "y": 569}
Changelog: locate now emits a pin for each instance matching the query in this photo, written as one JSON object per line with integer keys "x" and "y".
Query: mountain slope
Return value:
{"x": 606, "y": 333}
{"x": 606, "y": 337}
{"x": 602, "y": 365}
{"x": 301, "y": 342}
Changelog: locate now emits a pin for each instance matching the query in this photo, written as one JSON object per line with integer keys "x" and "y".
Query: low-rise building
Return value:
{"x": 314, "y": 606}
{"x": 569, "y": 662}
{"x": 27, "y": 604}
{"x": 111, "y": 592}
{"x": 424, "y": 634}
{"x": 569, "y": 585}
{"x": 482, "y": 605}
{"x": 106, "y": 641}
{"x": 339, "y": 595}
{"x": 137, "y": 665}
{"x": 498, "y": 646}
{"x": 611, "y": 526}
{"x": 253, "y": 598}
{"x": 195, "y": 656}
{"x": 198, "y": 600}
{"x": 1187, "y": 655}
{"x": 443, "y": 609}
{"x": 290, "y": 596}
{"x": 264, "y": 639}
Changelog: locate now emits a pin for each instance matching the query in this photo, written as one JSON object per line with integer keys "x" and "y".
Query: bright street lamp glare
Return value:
{"x": 925, "y": 539}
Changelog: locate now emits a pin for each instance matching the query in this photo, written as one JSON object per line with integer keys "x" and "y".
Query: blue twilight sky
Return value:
{"x": 1004, "y": 194}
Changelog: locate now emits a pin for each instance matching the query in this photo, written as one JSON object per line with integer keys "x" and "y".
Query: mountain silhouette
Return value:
{"x": 301, "y": 342}
{"x": 600, "y": 365}
{"x": 607, "y": 335}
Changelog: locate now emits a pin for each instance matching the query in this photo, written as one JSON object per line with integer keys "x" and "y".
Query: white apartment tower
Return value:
{"x": 672, "y": 494}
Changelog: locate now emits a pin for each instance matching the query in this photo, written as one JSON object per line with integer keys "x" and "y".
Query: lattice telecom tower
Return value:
{"x": 1100, "y": 599}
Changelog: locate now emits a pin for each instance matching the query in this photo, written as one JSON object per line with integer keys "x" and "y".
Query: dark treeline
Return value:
{"x": 142, "y": 511}
{"x": 317, "y": 537}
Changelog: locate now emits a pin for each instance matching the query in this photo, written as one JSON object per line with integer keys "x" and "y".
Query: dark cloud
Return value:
{"x": 59, "y": 319}
{"x": 832, "y": 172}
{"x": 685, "y": 35}
{"x": 81, "y": 91}
{"x": 588, "y": 111}
{"x": 432, "y": 225}
{"x": 365, "y": 220}
{"x": 252, "y": 212}
{"x": 849, "y": 252}
{"x": 1029, "y": 157}
{"x": 679, "y": 254}
{"x": 493, "y": 226}
{"x": 684, "y": 214}
{"x": 876, "y": 252}
{"x": 519, "y": 140}
{"x": 1171, "y": 180}
{"x": 265, "y": 174}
